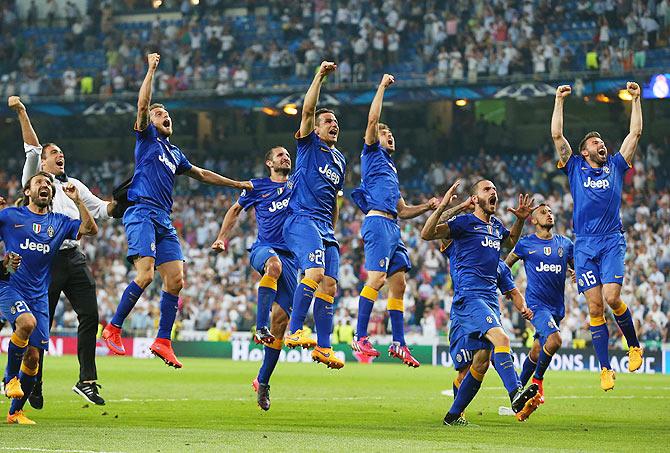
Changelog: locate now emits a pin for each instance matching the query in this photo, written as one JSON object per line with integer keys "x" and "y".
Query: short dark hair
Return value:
{"x": 589, "y": 135}
{"x": 156, "y": 105}
{"x": 475, "y": 186}
{"x": 44, "y": 147}
{"x": 538, "y": 207}
{"x": 383, "y": 126}
{"x": 25, "y": 199}
{"x": 270, "y": 154}
{"x": 320, "y": 112}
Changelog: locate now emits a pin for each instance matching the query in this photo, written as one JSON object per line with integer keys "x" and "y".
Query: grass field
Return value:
{"x": 210, "y": 406}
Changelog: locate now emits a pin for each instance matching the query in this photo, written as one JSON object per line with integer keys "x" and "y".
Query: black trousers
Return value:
{"x": 70, "y": 275}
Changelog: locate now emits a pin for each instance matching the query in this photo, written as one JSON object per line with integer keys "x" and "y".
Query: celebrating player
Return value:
{"x": 152, "y": 240}
{"x": 35, "y": 234}
{"x": 70, "y": 273}
{"x": 546, "y": 257}
{"x": 385, "y": 253}
{"x": 271, "y": 258}
{"x": 309, "y": 230}
{"x": 596, "y": 182}
{"x": 477, "y": 240}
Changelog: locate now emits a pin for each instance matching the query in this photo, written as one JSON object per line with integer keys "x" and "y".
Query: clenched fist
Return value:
{"x": 563, "y": 91}
{"x": 153, "y": 59}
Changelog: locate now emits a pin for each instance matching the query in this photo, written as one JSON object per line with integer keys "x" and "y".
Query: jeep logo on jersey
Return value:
{"x": 600, "y": 184}
{"x": 545, "y": 267}
{"x": 163, "y": 158}
{"x": 50, "y": 231}
{"x": 547, "y": 251}
{"x": 276, "y": 206}
{"x": 36, "y": 246}
{"x": 37, "y": 228}
{"x": 330, "y": 174}
{"x": 487, "y": 242}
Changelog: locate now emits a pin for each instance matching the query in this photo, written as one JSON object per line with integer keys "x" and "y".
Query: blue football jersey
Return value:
{"x": 317, "y": 178}
{"x": 505, "y": 281}
{"x": 545, "y": 262}
{"x": 476, "y": 253}
{"x": 596, "y": 193}
{"x": 37, "y": 239}
{"x": 380, "y": 188}
{"x": 270, "y": 200}
{"x": 157, "y": 162}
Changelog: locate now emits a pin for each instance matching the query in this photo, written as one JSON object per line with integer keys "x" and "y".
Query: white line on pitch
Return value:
{"x": 53, "y": 450}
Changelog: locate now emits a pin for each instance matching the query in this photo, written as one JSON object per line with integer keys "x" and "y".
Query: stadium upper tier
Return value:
{"x": 280, "y": 44}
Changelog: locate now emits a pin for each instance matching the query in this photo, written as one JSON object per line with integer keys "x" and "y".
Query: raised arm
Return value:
{"x": 560, "y": 143}
{"x": 629, "y": 144}
{"x": 312, "y": 98}
{"x": 410, "y": 211}
{"x": 31, "y": 143}
{"x": 433, "y": 229}
{"x": 521, "y": 212}
{"x": 144, "y": 99}
{"x": 511, "y": 259}
{"x": 209, "y": 177}
{"x": 88, "y": 226}
{"x": 372, "y": 130}
{"x": 229, "y": 222}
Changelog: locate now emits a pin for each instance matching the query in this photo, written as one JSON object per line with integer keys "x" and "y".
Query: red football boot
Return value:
{"x": 403, "y": 353}
{"x": 162, "y": 348}
{"x": 364, "y": 346}
{"x": 540, "y": 390}
{"x": 112, "y": 337}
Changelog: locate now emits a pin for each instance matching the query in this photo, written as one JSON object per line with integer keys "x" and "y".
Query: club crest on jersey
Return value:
{"x": 37, "y": 228}
{"x": 51, "y": 232}
{"x": 560, "y": 252}
{"x": 489, "y": 319}
{"x": 547, "y": 251}
{"x": 606, "y": 170}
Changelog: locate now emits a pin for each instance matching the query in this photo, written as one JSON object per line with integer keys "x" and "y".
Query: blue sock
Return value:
{"x": 543, "y": 362}
{"x": 128, "y": 301}
{"x": 267, "y": 291}
{"x": 269, "y": 362}
{"x": 14, "y": 356}
{"x": 455, "y": 385}
{"x": 396, "y": 311}
{"x": 302, "y": 299}
{"x": 504, "y": 365}
{"x": 27, "y": 384}
{"x": 365, "y": 303}
{"x": 625, "y": 322}
{"x": 466, "y": 393}
{"x": 323, "y": 319}
{"x": 169, "y": 307}
{"x": 600, "y": 338}
{"x": 527, "y": 370}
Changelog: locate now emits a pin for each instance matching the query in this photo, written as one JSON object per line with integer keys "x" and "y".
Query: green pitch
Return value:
{"x": 210, "y": 406}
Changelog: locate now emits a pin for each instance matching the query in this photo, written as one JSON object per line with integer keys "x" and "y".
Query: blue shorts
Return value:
{"x": 313, "y": 244}
{"x": 599, "y": 260}
{"x": 150, "y": 233}
{"x": 13, "y": 305}
{"x": 288, "y": 281}
{"x": 545, "y": 323}
{"x": 384, "y": 249}
{"x": 476, "y": 315}
{"x": 462, "y": 347}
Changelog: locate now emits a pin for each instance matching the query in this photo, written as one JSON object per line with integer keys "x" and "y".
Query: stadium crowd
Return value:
{"x": 63, "y": 50}
{"x": 220, "y": 291}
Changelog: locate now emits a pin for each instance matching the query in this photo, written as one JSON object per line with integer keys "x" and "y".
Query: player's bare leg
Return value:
{"x": 145, "y": 275}
{"x": 172, "y": 274}
{"x": 296, "y": 337}
{"x": 395, "y": 306}
{"x": 323, "y": 319}
{"x": 624, "y": 319}
{"x": 273, "y": 269}
{"x": 278, "y": 326}
{"x": 600, "y": 336}
{"x": 368, "y": 296}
